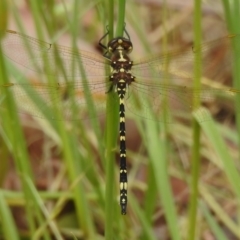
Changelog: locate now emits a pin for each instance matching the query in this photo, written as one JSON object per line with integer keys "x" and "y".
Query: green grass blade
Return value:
{"x": 112, "y": 120}
{"x": 7, "y": 222}
{"x": 196, "y": 158}
{"x": 212, "y": 132}
{"x": 157, "y": 152}
{"x": 223, "y": 216}
{"x": 215, "y": 227}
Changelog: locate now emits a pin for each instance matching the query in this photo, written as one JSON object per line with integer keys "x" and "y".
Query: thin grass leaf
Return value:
{"x": 8, "y": 225}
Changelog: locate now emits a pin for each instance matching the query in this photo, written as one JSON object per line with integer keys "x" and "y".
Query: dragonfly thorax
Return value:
{"x": 120, "y": 62}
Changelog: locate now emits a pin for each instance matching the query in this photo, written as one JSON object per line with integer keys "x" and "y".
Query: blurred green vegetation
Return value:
{"x": 60, "y": 178}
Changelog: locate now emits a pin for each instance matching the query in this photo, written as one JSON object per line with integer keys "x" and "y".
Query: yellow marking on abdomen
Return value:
{"x": 122, "y": 138}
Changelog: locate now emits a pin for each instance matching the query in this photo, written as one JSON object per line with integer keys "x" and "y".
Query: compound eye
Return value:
{"x": 112, "y": 45}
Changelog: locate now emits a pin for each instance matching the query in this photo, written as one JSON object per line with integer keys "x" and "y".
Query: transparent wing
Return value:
{"x": 149, "y": 93}
{"x": 163, "y": 83}
{"x": 177, "y": 65}
{"x": 72, "y": 100}
{"x": 169, "y": 102}
{"x": 51, "y": 59}
{"x": 75, "y": 98}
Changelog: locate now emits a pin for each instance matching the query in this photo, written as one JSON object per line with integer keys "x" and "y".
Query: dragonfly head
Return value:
{"x": 120, "y": 43}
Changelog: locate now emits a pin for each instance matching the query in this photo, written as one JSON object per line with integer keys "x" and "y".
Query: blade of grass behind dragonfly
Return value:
{"x": 69, "y": 146}
{"x": 158, "y": 181}
{"x": 42, "y": 218}
{"x": 233, "y": 26}
{"x": 157, "y": 147}
{"x": 146, "y": 224}
{"x": 30, "y": 52}
{"x": 95, "y": 124}
{"x": 212, "y": 132}
{"x": 214, "y": 225}
{"x": 9, "y": 230}
{"x": 219, "y": 212}
{"x": 92, "y": 111}
{"x": 16, "y": 142}
{"x": 22, "y": 165}
{"x": 71, "y": 152}
{"x": 3, "y": 146}
{"x": 48, "y": 113}
{"x": 33, "y": 99}
{"x": 112, "y": 213}
{"x": 157, "y": 152}
{"x": 195, "y": 152}
{"x": 84, "y": 210}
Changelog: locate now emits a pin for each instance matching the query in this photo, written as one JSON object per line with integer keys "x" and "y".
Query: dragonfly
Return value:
{"x": 159, "y": 84}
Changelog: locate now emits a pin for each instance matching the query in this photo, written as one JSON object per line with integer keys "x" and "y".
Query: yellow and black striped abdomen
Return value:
{"x": 121, "y": 89}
